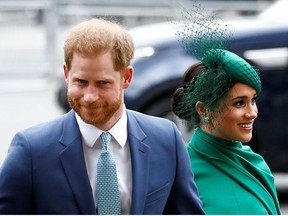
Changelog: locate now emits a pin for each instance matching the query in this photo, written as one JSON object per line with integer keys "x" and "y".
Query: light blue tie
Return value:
{"x": 108, "y": 196}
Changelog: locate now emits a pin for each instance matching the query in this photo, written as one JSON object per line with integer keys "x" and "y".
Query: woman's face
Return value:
{"x": 234, "y": 116}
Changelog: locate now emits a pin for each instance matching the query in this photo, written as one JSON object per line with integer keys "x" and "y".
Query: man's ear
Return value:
{"x": 127, "y": 76}
{"x": 65, "y": 69}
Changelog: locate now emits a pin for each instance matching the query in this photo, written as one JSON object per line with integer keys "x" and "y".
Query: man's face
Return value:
{"x": 95, "y": 89}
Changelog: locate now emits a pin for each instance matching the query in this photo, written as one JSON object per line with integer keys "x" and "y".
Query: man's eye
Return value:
{"x": 81, "y": 81}
{"x": 103, "y": 82}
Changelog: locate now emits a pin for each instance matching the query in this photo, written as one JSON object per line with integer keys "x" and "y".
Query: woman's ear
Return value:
{"x": 201, "y": 108}
{"x": 202, "y": 111}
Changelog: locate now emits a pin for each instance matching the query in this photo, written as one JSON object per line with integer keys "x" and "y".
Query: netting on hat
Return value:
{"x": 207, "y": 37}
{"x": 237, "y": 68}
{"x": 199, "y": 31}
{"x": 207, "y": 87}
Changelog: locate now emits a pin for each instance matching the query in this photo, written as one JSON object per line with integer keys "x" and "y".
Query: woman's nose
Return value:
{"x": 252, "y": 112}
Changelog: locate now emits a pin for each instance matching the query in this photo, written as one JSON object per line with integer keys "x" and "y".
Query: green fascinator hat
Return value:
{"x": 222, "y": 69}
{"x": 236, "y": 68}
{"x": 207, "y": 38}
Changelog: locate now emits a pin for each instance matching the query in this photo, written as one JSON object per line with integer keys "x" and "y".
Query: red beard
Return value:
{"x": 97, "y": 113}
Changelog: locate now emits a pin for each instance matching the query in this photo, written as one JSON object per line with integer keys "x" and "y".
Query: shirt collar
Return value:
{"x": 90, "y": 133}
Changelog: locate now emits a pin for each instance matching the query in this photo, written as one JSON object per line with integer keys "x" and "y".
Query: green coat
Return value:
{"x": 230, "y": 177}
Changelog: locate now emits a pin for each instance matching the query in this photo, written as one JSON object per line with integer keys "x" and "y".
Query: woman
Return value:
{"x": 218, "y": 96}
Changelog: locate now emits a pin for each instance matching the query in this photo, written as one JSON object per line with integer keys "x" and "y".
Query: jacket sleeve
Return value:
{"x": 184, "y": 197}
{"x": 16, "y": 178}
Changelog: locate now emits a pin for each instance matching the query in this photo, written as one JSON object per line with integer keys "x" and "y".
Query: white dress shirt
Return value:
{"x": 119, "y": 146}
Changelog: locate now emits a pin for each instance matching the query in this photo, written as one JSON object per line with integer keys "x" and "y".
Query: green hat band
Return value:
{"x": 236, "y": 68}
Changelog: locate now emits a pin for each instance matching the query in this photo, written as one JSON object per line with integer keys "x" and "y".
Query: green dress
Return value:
{"x": 230, "y": 177}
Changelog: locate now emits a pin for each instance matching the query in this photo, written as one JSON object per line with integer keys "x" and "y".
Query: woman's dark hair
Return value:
{"x": 199, "y": 84}
{"x": 192, "y": 72}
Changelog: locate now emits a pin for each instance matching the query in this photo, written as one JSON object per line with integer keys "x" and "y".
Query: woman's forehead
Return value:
{"x": 240, "y": 90}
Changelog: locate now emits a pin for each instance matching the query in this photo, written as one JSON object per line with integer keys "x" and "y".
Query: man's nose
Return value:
{"x": 91, "y": 94}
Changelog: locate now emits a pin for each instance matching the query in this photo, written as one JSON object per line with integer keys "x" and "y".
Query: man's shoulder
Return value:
{"x": 46, "y": 127}
{"x": 150, "y": 123}
{"x": 145, "y": 117}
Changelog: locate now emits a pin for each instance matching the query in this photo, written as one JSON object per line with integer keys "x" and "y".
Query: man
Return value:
{"x": 51, "y": 168}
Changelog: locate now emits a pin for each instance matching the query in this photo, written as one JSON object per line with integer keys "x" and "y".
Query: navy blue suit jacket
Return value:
{"x": 45, "y": 172}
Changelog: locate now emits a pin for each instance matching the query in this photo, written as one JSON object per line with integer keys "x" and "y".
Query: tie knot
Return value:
{"x": 105, "y": 137}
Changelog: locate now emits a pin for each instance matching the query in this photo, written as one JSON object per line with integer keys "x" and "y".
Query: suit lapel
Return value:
{"x": 73, "y": 162}
{"x": 140, "y": 164}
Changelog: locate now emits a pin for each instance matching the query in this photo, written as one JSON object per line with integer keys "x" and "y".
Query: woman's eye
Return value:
{"x": 239, "y": 103}
{"x": 254, "y": 100}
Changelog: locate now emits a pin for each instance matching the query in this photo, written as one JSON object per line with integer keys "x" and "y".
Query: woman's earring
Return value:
{"x": 206, "y": 119}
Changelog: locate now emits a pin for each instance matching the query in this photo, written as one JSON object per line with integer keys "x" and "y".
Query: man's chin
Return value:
{"x": 94, "y": 118}
{"x": 96, "y": 115}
